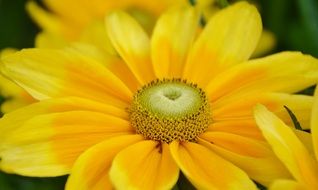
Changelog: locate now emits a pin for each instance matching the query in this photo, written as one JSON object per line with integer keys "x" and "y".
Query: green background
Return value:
{"x": 294, "y": 22}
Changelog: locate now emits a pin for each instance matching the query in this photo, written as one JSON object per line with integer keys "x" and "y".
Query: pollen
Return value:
{"x": 170, "y": 109}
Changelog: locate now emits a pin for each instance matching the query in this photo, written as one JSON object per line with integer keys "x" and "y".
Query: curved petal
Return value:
{"x": 45, "y": 138}
{"x": 314, "y": 123}
{"x": 230, "y": 37}
{"x": 252, "y": 156}
{"x": 172, "y": 37}
{"x": 287, "y": 147}
{"x": 132, "y": 43}
{"x": 286, "y": 185}
{"x": 113, "y": 63}
{"x": 91, "y": 169}
{"x": 144, "y": 165}
{"x": 236, "y": 143}
{"x": 238, "y": 107}
{"x": 266, "y": 44}
{"x": 282, "y": 72}
{"x": 54, "y": 73}
{"x": 207, "y": 170}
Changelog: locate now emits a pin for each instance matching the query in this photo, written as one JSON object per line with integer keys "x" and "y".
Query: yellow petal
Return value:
{"x": 132, "y": 43}
{"x": 91, "y": 169}
{"x": 230, "y": 37}
{"x": 314, "y": 123}
{"x": 281, "y": 72}
{"x": 113, "y": 63}
{"x": 252, "y": 156}
{"x": 266, "y": 44}
{"x": 236, "y": 143}
{"x": 206, "y": 170}
{"x": 287, "y": 147}
{"x": 95, "y": 33}
{"x": 44, "y": 19}
{"x": 243, "y": 127}
{"x": 172, "y": 37}
{"x": 49, "y": 40}
{"x": 45, "y": 138}
{"x": 286, "y": 185}
{"x": 240, "y": 106}
{"x": 144, "y": 165}
{"x": 15, "y": 96}
{"x": 80, "y": 14}
{"x": 58, "y": 73}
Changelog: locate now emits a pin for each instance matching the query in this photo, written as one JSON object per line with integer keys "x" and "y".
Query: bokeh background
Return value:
{"x": 294, "y": 23}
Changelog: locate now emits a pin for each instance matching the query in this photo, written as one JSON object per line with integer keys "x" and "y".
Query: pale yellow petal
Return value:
{"x": 172, "y": 37}
{"x": 45, "y": 138}
{"x": 144, "y": 165}
{"x": 132, "y": 43}
{"x": 230, "y": 37}
{"x": 57, "y": 73}
{"x": 287, "y": 147}
{"x": 91, "y": 169}
{"x": 281, "y": 72}
{"x": 252, "y": 156}
{"x": 95, "y": 33}
{"x": 206, "y": 170}
{"x": 314, "y": 123}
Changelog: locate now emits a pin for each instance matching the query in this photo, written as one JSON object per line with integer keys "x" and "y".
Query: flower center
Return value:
{"x": 170, "y": 109}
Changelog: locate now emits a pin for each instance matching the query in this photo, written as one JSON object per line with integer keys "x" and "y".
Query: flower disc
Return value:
{"x": 167, "y": 110}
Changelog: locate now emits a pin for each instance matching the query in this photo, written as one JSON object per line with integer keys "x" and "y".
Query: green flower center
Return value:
{"x": 170, "y": 109}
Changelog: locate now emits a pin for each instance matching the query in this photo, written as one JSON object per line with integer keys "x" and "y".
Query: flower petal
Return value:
{"x": 90, "y": 171}
{"x": 238, "y": 107}
{"x": 243, "y": 127}
{"x": 172, "y": 37}
{"x": 45, "y": 138}
{"x": 113, "y": 63}
{"x": 314, "y": 123}
{"x": 281, "y": 72}
{"x": 206, "y": 170}
{"x": 144, "y": 165}
{"x": 44, "y": 19}
{"x": 286, "y": 185}
{"x": 230, "y": 37}
{"x": 132, "y": 43}
{"x": 54, "y": 73}
{"x": 252, "y": 156}
{"x": 287, "y": 147}
{"x": 266, "y": 44}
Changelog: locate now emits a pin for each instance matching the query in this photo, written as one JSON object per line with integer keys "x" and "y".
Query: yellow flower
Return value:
{"x": 85, "y": 24}
{"x": 97, "y": 126}
{"x": 290, "y": 150}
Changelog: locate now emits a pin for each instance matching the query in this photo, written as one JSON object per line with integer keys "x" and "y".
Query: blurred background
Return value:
{"x": 293, "y": 22}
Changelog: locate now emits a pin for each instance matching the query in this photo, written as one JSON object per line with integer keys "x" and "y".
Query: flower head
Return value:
{"x": 299, "y": 159}
{"x": 188, "y": 107}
